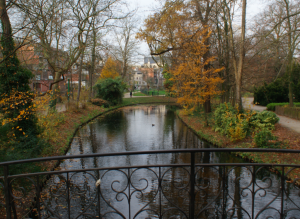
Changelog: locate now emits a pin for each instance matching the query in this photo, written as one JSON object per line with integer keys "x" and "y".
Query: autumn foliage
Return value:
{"x": 173, "y": 33}
{"x": 110, "y": 69}
{"x": 195, "y": 80}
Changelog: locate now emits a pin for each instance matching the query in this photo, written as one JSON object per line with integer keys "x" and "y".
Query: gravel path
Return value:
{"x": 292, "y": 124}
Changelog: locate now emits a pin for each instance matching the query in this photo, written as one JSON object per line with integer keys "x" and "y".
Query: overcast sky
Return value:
{"x": 147, "y": 7}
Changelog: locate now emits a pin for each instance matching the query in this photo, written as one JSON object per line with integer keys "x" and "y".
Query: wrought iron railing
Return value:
{"x": 157, "y": 190}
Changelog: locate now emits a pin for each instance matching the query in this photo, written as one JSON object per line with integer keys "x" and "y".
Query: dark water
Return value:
{"x": 156, "y": 127}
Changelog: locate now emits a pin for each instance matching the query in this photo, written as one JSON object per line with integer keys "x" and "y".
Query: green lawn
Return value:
{"x": 161, "y": 92}
{"x": 138, "y": 94}
{"x": 155, "y": 99}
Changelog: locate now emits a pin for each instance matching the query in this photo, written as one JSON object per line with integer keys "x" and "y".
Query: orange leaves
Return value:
{"x": 195, "y": 80}
{"x": 175, "y": 31}
{"x": 18, "y": 104}
{"x": 109, "y": 69}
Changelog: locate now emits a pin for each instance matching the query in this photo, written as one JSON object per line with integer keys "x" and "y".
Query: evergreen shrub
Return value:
{"x": 264, "y": 138}
{"x": 275, "y": 92}
{"x": 110, "y": 89}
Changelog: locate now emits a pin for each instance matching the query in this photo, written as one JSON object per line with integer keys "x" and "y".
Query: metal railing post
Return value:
{"x": 282, "y": 193}
{"x": 7, "y": 192}
{"x": 68, "y": 195}
{"x": 38, "y": 195}
{"x": 253, "y": 190}
{"x": 224, "y": 190}
{"x": 192, "y": 187}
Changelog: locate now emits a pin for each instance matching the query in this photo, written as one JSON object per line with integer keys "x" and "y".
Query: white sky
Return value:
{"x": 147, "y": 7}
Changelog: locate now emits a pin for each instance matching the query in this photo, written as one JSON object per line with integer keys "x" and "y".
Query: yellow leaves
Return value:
{"x": 109, "y": 69}
{"x": 194, "y": 81}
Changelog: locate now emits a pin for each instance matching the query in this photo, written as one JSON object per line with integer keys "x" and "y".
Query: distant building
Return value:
{"x": 138, "y": 78}
{"x": 32, "y": 58}
{"x": 155, "y": 64}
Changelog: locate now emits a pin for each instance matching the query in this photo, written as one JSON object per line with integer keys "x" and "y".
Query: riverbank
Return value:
{"x": 64, "y": 125}
{"x": 287, "y": 138}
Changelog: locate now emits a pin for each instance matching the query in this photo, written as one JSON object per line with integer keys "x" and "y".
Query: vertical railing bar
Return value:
{"x": 282, "y": 193}
{"x": 99, "y": 198}
{"x": 68, "y": 195}
{"x": 129, "y": 196}
{"x": 192, "y": 187}
{"x": 253, "y": 190}
{"x": 159, "y": 190}
{"x": 7, "y": 192}
{"x": 224, "y": 195}
{"x": 38, "y": 195}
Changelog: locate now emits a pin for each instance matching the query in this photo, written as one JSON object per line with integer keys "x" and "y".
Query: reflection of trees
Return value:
{"x": 115, "y": 122}
{"x": 210, "y": 181}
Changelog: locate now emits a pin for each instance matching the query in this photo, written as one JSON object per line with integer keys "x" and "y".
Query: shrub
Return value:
{"x": 236, "y": 125}
{"x": 275, "y": 92}
{"x": 230, "y": 122}
{"x": 264, "y": 120}
{"x": 110, "y": 89}
{"x": 262, "y": 139}
{"x": 100, "y": 102}
{"x": 271, "y": 106}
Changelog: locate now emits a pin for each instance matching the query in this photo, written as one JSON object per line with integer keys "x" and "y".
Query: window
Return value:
{"x": 36, "y": 85}
{"x": 50, "y": 77}
{"x": 38, "y": 77}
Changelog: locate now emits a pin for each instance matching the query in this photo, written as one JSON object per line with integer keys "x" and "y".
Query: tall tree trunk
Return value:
{"x": 79, "y": 79}
{"x": 71, "y": 85}
{"x": 92, "y": 70}
{"x": 290, "y": 53}
{"x": 239, "y": 73}
{"x": 6, "y": 26}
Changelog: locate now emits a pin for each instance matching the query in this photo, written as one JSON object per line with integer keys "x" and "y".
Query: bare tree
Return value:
{"x": 127, "y": 45}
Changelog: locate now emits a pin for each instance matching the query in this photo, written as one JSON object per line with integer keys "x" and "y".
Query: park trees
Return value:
{"x": 62, "y": 28}
{"x": 173, "y": 30}
{"x": 127, "y": 45}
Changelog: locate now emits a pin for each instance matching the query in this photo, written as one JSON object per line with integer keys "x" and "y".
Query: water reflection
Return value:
{"x": 221, "y": 192}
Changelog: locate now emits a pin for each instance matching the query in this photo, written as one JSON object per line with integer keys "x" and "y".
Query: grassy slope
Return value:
{"x": 289, "y": 139}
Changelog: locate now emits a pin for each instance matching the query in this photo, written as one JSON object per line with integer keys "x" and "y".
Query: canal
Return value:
{"x": 138, "y": 192}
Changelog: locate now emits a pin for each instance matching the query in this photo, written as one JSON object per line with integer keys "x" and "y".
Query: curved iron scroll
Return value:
{"x": 253, "y": 191}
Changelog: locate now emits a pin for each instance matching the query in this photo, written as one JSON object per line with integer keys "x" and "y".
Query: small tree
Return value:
{"x": 110, "y": 69}
{"x": 110, "y": 89}
{"x": 194, "y": 83}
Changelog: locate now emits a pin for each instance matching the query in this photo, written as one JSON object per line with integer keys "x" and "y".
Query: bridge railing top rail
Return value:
{"x": 126, "y": 153}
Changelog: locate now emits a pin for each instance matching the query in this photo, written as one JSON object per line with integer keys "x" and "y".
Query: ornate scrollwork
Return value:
{"x": 23, "y": 192}
{"x": 162, "y": 192}
{"x": 292, "y": 192}
{"x": 175, "y": 190}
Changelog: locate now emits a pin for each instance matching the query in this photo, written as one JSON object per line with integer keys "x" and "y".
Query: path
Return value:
{"x": 127, "y": 95}
{"x": 284, "y": 121}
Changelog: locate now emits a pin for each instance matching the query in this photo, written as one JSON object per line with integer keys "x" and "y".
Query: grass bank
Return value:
{"x": 63, "y": 126}
{"x": 287, "y": 139}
